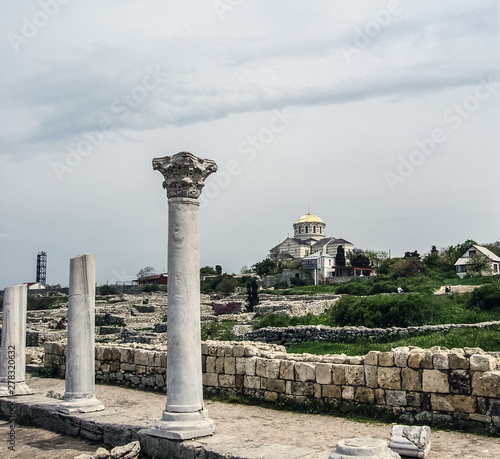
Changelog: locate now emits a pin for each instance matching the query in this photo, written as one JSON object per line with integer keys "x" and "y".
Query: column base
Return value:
{"x": 183, "y": 426}
{"x": 15, "y": 388}
{"x": 80, "y": 405}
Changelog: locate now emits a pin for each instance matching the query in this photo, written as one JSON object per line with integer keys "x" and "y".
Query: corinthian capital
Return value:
{"x": 184, "y": 174}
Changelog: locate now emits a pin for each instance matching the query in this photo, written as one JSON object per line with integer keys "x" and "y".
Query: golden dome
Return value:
{"x": 309, "y": 218}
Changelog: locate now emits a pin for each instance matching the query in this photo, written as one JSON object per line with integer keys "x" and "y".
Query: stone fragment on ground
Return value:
{"x": 128, "y": 451}
{"x": 363, "y": 448}
{"x": 102, "y": 453}
{"x": 411, "y": 441}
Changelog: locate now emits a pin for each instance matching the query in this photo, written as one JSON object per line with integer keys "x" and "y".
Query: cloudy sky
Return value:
{"x": 382, "y": 116}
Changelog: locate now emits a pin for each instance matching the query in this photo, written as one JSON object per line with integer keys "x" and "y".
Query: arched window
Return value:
{"x": 314, "y": 228}
{"x": 307, "y": 229}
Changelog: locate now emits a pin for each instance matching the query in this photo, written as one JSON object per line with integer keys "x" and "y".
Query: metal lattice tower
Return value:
{"x": 41, "y": 268}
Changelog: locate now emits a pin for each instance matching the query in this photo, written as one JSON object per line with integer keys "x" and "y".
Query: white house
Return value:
{"x": 465, "y": 259}
{"x": 321, "y": 264}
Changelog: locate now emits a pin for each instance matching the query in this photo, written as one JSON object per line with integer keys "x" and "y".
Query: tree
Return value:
{"x": 340, "y": 256}
{"x": 493, "y": 247}
{"x": 358, "y": 259}
{"x": 218, "y": 269}
{"x": 144, "y": 273}
{"x": 227, "y": 285}
{"x": 252, "y": 294}
{"x": 407, "y": 267}
{"x": 245, "y": 270}
{"x": 208, "y": 270}
{"x": 376, "y": 257}
{"x": 264, "y": 267}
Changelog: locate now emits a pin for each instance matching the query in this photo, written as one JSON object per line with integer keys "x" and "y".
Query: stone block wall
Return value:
{"x": 458, "y": 385}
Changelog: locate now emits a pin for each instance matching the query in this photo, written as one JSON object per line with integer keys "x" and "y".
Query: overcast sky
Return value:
{"x": 382, "y": 116}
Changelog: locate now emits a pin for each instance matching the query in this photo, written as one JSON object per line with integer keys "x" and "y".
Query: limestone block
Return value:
{"x": 482, "y": 362}
{"x": 228, "y": 350}
{"x": 401, "y": 355}
{"x": 263, "y": 383}
{"x": 287, "y": 369}
{"x": 411, "y": 441}
{"x": 427, "y": 360}
{"x": 251, "y": 351}
{"x": 458, "y": 360}
{"x": 395, "y": 397}
{"x": 348, "y": 392}
{"x": 159, "y": 380}
{"x": 486, "y": 384}
{"x": 415, "y": 358}
{"x": 331, "y": 391}
{"x": 288, "y": 387}
{"x": 261, "y": 367}
{"x": 114, "y": 366}
{"x": 414, "y": 399}
{"x": 250, "y": 366}
{"x": 435, "y": 381}
{"x": 317, "y": 390}
{"x": 389, "y": 377}
{"x": 363, "y": 447}
{"x": 252, "y": 382}
{"x": 105, "y": 368}
{"x": 355, "y": 375}
{"x": 276, "y": 385}
{"x": 338, "y": 374}
{"x": 386, "y": 359}
{"x": 219, "y": 364}
{"x": 480, "y": 417}
{"x": 227, "y": 381}
{"x": 411, "y": 380}
{"x": 127, "y": 355}
{"x": 323, "y": 373}
{"x": 238, "y": 350}
{"x": 210, "y": 379}
{"x": 302, "y": 388}
{"x": 157, "y": 360}
{"x": 210, "y": 364}
{"x": 101, "y": 453}
{"x": 273, "y": 369}
{"x": 127, "y": 367}
{"x": 460, "y": 382}
{"x": 240, "y": 365}
{"x": 379, "y": 396}
{"x": 354, "y": 360}
{"x": 464, "y": 403}
{"x": 99, "y": 353}
{"x": 239, "y": 381}
{"x": 371, "y": 376}
{"x": 140, "y": 369}
{"x": 229, "y": 365}
{"x": 364, "y": 395}
{"x": 441, "y": 402}
{"x": 440, "y": 361}
{"x": 372, "y": 358}
{"x": 305, "y": 372}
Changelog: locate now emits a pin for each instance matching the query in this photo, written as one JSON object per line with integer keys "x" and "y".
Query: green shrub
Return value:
{"x": 486, "y": 298}
{"x": 151, "y": 288}
{"x": 354, "y": 288}
{"x": 222, "y": 331}
{"x": 108, "y": 290}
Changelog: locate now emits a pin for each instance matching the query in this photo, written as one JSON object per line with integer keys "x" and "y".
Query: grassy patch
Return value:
{"x": 218, "y": 330}
{"x": 487, "y": 339}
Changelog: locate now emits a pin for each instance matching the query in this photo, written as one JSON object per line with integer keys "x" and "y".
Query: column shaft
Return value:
{"x": 80, "y": 353}
{"x": 13, "y": 354}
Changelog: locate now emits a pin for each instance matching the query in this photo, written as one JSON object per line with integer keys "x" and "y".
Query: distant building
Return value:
{"x": 158, "y": 279}
{"x": 309, "y": 237}
{"x": 462, "y": 263}
{"x": 35, "y": 285}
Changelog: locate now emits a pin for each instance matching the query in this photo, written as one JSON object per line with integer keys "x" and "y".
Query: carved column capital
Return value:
{"x": 184, "y": 174}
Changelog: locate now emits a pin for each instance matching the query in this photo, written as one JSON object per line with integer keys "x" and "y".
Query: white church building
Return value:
{"x": 309, "y": 238}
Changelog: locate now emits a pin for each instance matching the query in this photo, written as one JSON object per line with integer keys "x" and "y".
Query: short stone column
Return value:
{"x": 79, "y": 396}
{"x": 184, "y": 416}
{"x": 13, "y": 354}
{"x": 363, "y": 448}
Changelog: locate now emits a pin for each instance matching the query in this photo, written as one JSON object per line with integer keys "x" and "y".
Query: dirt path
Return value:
{"x": 254, "y": 424}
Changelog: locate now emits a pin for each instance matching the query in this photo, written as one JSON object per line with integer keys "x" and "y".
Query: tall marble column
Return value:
{"x": 79, "y": 396}
{"x": 13, "y": 354}
{"x": 184, "y": 416}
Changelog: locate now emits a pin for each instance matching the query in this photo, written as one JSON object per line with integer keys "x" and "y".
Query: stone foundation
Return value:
{"x": 431, "y": 385}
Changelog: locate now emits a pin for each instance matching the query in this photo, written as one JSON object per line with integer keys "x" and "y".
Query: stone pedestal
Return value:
{"x": 363, "y": 448}
{"x": 79, "y": 396}
{"x": 13, "y": 353}
{"x": 184, "y": 416}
